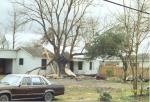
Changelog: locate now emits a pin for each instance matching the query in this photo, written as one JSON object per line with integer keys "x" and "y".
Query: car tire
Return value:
{"x": 4, "y": 98}
{"x": 48, "y": 97}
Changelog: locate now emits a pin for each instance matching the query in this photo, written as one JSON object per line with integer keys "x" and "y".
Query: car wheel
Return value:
{"x": 4, "y": 97}
{"x": 48, "y": 97}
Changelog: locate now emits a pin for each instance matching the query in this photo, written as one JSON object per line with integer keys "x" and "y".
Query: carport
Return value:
{"x": 6, "y": 66}
{"x": 7, "y": 58}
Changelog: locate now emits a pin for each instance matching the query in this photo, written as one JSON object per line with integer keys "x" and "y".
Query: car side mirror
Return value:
{"x": 19, "y": 85}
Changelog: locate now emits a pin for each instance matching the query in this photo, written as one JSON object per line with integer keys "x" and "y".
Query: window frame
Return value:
{"x": 80, "y": 65}
{"x": 21, "y": 61}
{"x": 42, "y": 82}
{"x": 91, "y": 65}
{"x": 27, "y": 84}
{"x": 43, "y": 63}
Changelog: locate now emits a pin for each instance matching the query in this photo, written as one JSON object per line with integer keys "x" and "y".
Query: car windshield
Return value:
{"x": 10, "y": 80}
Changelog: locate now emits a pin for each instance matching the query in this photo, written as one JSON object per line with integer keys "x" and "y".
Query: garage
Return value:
{"x": 6, "y": 66}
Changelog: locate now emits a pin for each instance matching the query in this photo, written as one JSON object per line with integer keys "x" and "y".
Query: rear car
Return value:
{"x": 16, "y": 87}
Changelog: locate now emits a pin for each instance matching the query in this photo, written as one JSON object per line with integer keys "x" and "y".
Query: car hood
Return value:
{"x": 5, "y": 86}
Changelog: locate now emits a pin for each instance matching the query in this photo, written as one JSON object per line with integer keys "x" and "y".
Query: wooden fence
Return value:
{"x": 111, "y": 70}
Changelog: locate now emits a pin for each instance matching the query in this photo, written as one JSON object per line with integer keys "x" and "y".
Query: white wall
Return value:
{"x": 145, "y": 64}
{"x": 8, "y": 54}
{"x": 14, "y": 66}
{"x": 86, "y": 67}
{"x": 30, "y": 62}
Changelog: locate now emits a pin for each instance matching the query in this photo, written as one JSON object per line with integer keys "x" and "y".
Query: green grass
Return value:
{"x": 87, "y": 94}
{"x": 74, "y": 94}
{"x": 89, "y": 91}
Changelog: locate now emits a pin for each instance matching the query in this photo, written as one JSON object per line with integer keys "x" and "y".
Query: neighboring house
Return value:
{"x": 81, "y": 65}
{"x": 113, "y": 61}
{"x": 143, "y": 61}
{"x": 113, "y": 66}
{"x": 21, "y": 60}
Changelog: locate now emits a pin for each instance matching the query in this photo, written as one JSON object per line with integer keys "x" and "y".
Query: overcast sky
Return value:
{"x": 103, "y": 10}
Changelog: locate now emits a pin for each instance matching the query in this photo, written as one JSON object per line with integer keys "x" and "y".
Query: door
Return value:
{"x": 38, "y": 87}
{"x": 2, "y": 66}
{"x": 23, "y": 91}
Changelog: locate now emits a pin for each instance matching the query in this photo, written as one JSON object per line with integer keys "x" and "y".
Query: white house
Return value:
{"x": 143, "y": 61}
{"x": 21, "y": 60}
{"x": 27, "y": 58}
{"x": 83, "y": 66}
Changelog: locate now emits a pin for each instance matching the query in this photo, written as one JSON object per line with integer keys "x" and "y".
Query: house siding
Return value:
{"x": 14, "y": 68}
{"x": 29, "y": 62}
{"x": 86, "y": 67}
{"x": 8, "y": 54}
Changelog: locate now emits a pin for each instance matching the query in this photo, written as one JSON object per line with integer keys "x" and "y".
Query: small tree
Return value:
{"x": 112, "y": 42}
{"x": 137, "y": 26}
{"x": 144, "y": 58}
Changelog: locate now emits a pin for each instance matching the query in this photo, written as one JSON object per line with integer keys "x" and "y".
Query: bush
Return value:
{"x": 105, "y": 97}
{"x": 109, "y": 72}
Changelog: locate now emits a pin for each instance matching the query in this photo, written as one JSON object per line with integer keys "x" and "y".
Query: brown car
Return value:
{"x": 15, "y": 87}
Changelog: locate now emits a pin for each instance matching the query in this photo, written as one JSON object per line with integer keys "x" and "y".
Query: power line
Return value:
{"x": 127, "y": 7}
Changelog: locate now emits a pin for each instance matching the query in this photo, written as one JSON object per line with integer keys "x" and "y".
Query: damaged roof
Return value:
{"x": 34, "y": 51}
{"x": 37, "y": 51}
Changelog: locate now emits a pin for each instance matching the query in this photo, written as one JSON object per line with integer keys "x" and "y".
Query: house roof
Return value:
{"x": 34, "y": 51}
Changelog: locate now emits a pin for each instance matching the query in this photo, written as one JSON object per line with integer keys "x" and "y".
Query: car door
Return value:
{"x": 23, "y": 91}
{"x": 38, "y": 87}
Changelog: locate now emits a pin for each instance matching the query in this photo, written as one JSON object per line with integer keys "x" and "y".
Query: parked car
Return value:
{"x": 16, "y": 87}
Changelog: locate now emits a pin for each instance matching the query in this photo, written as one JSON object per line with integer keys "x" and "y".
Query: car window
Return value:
{"x": 37, "y": 81}
{"x": 43, "y": 81}
{"x": 10, "y": 79}
{"x": 26, "y": 81}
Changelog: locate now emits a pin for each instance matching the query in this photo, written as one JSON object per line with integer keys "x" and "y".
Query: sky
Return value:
{"x": 103, "y": 10}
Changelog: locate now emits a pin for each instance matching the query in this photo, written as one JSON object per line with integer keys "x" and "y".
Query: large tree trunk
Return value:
{"x": 125, "y": 67}
{"x": 61, "y": 69}
{"x": 142, "y": 77}
{"x": 61, "y": 61}
{"x": 124, "y": 75}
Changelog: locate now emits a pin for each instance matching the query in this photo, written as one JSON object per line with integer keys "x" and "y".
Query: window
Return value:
{"x": 44, "y": 63}
{"x": 90, "y": 65}
{"x": 10, "y": 79}
{"x": 80, "y": 64}
{"x": 36, "y": 81}
{"x": 21, "y": 61}
{"x": 26, "y": 81}
{"x": 43, "y": 81}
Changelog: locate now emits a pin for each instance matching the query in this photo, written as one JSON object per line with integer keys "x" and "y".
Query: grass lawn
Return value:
{"x": 78, "y": 94}
{"x": 89, "y": 91}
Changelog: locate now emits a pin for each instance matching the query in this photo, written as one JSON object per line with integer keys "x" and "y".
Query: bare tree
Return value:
{"x": 3, "y": 42}
{"x": 144, "y": 59}
{"x": 60, "y": 20}
{"x": 137, "y": 25}
{"x": 15, "y": 23}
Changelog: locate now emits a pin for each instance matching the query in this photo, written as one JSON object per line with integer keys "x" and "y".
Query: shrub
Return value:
{"x": 110, "y": 72}
{"x": 105, "y": 97}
